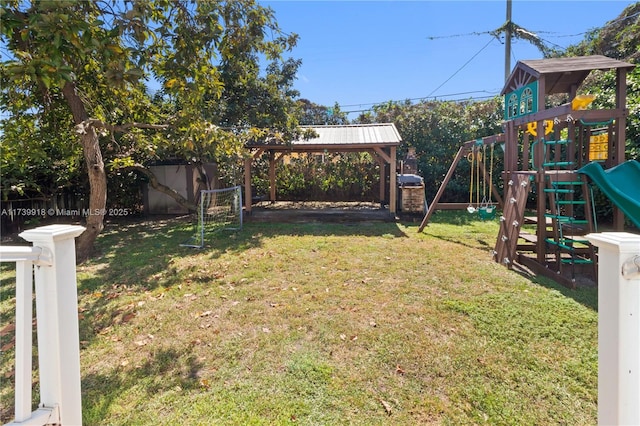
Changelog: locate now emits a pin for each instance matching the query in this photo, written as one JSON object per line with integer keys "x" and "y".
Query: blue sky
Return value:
{"x": 359, "y": 53}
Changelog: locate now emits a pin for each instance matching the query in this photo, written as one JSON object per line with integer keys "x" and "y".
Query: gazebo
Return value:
{"x": 380, "y": 140}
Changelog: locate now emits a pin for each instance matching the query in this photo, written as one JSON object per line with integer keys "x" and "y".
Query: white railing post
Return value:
{"x": 618, "y": 327}
{"x": 24, "y": 339}
{"x": 57, "y": 321}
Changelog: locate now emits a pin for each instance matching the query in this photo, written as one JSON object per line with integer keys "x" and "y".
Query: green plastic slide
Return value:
{"x": 621, "y": 184}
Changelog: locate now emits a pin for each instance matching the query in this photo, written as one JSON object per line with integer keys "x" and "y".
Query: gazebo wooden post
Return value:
{"x": 272, "y": 176}
{"x": 247, "y": 184}
{"x": 389, "y": 159}
{"x": 393, "y": 187}
{"x": 381, "y": 163}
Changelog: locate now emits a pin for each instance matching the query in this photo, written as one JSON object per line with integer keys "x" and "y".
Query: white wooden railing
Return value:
{"x": 51, "y": 261}
{"x": 618, "y": 327}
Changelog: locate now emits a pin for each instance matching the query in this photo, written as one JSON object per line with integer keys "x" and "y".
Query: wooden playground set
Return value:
{"x": 553, "y": 157}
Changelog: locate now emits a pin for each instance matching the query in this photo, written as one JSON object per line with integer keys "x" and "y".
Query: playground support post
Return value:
{"x": 618, "y": 327}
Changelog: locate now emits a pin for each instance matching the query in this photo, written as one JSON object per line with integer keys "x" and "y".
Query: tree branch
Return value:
{"x": 155, "y": 184}
{"x": 94, "y": 122}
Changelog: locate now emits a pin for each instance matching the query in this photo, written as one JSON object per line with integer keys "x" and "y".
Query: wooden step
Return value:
{"x": 533, "y": 220}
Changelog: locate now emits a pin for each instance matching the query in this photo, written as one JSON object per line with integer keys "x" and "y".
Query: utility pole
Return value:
{"x": 507, "y": 44}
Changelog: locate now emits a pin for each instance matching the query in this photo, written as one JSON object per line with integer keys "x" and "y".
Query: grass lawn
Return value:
{"x": 324, "y": 324}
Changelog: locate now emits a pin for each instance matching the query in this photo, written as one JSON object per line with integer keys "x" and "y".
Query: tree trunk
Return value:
{"x": 95, "y": 170}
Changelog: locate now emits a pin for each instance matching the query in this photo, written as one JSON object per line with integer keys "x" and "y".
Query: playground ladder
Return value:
{"x": 518, "y": 188}
{"x": 568, "y": 193}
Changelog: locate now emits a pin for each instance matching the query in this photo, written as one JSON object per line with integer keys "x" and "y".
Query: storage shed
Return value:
{"x": 183, "y": 178}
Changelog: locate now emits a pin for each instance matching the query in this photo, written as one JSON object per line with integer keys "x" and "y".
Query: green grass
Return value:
{"x": 364, "y": 324}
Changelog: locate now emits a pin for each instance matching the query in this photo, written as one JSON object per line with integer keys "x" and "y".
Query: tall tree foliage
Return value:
{"x": 436, "y": 130}
{"x": 314, "y": 114}
{"x": 618, "y": 39}
{"x": 96, "y": 58}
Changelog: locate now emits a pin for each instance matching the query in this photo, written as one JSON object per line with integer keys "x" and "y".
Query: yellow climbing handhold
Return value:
{"x": 533, "y": 126}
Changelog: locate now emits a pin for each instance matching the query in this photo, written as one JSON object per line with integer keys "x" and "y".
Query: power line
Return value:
{"x": 479, "y": 98}
{"x": 460, "y": 69}
{"x": 421, "y": 98}
{"x": 475, "y": 33}
{"x": 552, "y": 33}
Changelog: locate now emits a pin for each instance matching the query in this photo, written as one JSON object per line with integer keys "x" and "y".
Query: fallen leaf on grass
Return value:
{"x": 399, "y": 370}
{"x": 7, "y": 346}
{"x": 104, "y": 330}
{"x": 128, "y": 317}
{"x": 386, "y": 405}
{"x": 205, "y": 314}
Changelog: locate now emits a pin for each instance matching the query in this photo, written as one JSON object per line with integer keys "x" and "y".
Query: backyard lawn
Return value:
{"x": 323, "y": 324}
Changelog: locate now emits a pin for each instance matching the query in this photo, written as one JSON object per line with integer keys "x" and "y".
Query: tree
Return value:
{"x": 437, "y": 129}
{"x": 98, "y": 57}
{"x": 618, "y": 39}
{"x": 314, "y": 114}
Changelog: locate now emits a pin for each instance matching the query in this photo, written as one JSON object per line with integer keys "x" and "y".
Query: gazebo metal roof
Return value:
{"x": 356, "y": 135}
{"x": 351, "y": 137}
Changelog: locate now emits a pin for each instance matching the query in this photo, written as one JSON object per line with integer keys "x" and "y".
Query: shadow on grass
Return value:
{"x": 133, "y": 253}
{"x": 473, "y": 232}
{"x": 165, "y": 370}
{"x": 135, "y": 257}
{"x": 478, "y": 242}
{"x": 584, "y": 295}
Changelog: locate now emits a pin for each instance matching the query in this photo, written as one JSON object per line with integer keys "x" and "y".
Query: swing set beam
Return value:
{"x": 463, "y": 151}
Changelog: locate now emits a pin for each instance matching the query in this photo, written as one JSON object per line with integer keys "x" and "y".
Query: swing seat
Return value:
{"x": 471, "y": 209}
{"x": 487, "y": 212}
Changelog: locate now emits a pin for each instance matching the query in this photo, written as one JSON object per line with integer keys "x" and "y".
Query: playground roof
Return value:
{"x": 343, "y": 138}
{"x": 559, "y": 74}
